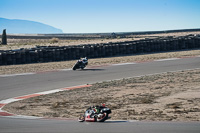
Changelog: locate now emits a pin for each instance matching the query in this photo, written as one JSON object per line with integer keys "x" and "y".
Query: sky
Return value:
{"x": 97, "y": 16}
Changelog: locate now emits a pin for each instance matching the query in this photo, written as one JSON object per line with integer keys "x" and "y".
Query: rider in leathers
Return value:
{"x": 84, "y": 61}
{"x": 96, "y": 109}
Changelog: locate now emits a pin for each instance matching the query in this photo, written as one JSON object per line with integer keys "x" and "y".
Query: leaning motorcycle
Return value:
{"x": 79, "y": 65}
{"x": 91, "y": 116}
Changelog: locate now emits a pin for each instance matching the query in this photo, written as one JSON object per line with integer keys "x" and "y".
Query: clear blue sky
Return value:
{"x": 92, "y": 16}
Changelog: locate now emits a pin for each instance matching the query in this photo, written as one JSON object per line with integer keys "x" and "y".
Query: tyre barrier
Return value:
{"x": 41, "y": 54}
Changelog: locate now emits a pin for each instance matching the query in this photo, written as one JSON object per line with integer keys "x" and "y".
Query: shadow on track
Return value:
{"x": 92, "y": 70}
{"x": 115, "y": 121}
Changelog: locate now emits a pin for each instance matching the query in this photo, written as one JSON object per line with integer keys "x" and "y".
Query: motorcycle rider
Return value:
{"x": 84, "y": 61}
{"x": 96, "y": 110}
{"x": 97, "y": 107}
{"x": 95, "y": 114}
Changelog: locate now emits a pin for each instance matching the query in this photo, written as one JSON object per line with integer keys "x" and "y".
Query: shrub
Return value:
{"x": 54, "y": 40}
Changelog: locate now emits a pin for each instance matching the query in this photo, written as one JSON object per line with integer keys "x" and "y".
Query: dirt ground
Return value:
{"x": 30, "y": 43}
{"x": 162, "y": 97}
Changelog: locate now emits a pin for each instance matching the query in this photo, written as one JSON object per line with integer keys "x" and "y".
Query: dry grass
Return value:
{"x": 30, "y": 43}
{"x": 163, "y": 97}
{"x": 54, "y": 40}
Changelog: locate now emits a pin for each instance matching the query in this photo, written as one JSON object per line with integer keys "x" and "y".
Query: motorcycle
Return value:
{"x": 79, "y": 65}
{"x": 92, "y": 116}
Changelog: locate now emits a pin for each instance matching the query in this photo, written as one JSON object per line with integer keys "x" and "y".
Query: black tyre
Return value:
{"x": 81, "y": 118}
{"x": 74, "y": 68}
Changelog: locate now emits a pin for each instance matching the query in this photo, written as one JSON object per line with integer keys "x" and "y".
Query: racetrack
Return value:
{"x": 57, "y": 126}
{"x": 13, "y": 86}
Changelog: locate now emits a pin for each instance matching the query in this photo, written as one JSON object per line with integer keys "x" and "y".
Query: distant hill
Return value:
{"x": 26, "y": 27}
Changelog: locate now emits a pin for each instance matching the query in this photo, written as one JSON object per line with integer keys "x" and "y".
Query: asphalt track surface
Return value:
{"x": 14, "y": 86}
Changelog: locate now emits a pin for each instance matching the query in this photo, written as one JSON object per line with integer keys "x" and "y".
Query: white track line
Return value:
{"x": 124, "y": 64}
{"x": 23, "y": 117}
{"x": 49, "y": 92}
{"x": 169, "y": 59}
{"x": 10, "y": 100}
{"x": 65, "y": 69}
{"x": 20, "y": 74}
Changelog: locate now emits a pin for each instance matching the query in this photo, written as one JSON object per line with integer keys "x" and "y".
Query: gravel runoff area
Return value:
{"x": 171, "y": 96}
{"x": 52, "y": 66}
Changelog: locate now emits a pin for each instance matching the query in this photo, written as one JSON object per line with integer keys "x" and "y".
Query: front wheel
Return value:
{"x": 103, "y": 117}
{"x": 81, "y": 118}
{"x": 74, "y": 68}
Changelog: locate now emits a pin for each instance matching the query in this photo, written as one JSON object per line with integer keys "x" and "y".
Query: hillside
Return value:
{"x": 26, "y": 27}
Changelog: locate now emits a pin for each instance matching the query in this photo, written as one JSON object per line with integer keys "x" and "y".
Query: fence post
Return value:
{"x": 4, "y": 37}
